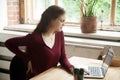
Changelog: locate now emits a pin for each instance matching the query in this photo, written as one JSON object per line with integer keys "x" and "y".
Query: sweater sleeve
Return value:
{"x": 64, "y": 60}
{"x": 13, "y": 45}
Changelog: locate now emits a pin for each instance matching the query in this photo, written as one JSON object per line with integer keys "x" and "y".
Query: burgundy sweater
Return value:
{"x": 41, "y": 56}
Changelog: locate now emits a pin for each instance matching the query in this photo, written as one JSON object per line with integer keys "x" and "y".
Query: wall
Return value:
{"x": 13, "y": 12}
{"x": 3, "y": 13}
{"x": 82, "y": 51}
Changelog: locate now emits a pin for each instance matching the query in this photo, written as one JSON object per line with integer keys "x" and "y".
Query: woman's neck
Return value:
{"x": 49, "y": 33}
{"x": 49, "y": 38}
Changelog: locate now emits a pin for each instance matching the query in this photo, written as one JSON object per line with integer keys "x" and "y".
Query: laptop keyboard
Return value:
{"x": 94, "y": 71}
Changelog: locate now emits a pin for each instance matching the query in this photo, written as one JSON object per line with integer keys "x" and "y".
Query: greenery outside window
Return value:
{"x": 103, "y": 11}
{"x": 72, "y": 10}
{"x": 117, "y": 20}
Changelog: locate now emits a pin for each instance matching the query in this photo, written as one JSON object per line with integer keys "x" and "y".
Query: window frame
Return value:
{"x": 112, "y": 13}
{"x": 29, "y": 19}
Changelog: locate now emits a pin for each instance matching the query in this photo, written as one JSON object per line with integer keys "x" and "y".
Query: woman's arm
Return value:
{"x": 14, "y": 45}
{"x": 64, "y": 60}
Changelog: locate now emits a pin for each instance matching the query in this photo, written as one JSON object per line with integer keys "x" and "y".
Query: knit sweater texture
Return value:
{"x": 41, "y": 56}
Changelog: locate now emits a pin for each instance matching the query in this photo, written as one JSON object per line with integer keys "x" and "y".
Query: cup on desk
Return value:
{"x": 78, "y": 74}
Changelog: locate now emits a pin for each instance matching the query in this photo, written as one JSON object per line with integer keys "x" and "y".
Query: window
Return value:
{"x": 117, "y": 20}
{"x": 105, "y": 10}
{"x": 39, "y": 6}
{"x": 34, "y": 9}
{"x": 72, "y": 10}
{"x": 30, "y": 11}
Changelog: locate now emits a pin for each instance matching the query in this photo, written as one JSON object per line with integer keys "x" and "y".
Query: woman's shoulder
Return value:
{"x": 36, "y": 36}
{"x": 60, "y": 33}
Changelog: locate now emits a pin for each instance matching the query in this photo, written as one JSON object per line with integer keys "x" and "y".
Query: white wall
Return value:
{"x": 3, "y": 13}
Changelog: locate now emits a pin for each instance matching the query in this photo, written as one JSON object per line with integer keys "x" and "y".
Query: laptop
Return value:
{"x": 100, "y": 71}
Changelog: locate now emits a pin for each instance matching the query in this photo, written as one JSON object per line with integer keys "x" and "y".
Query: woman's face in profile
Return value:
{"x": 58, "y": 23}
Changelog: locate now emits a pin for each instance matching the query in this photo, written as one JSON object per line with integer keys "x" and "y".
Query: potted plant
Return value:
{"x": 88, "y": 19}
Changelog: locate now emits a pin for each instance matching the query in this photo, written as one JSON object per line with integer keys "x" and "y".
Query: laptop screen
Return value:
{"x": 107, "y": 60}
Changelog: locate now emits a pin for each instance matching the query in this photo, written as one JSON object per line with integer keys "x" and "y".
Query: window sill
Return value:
{"x": 73, "y": 36}
{"x": 21, "y": 28}
{"x": 100, "y": 35}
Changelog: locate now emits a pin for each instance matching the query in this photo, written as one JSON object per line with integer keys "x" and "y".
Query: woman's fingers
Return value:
{"x": 86, "y": 71}
{"x": 29, "y": 67}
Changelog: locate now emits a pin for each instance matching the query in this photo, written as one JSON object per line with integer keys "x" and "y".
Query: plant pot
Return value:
{"x": 89, "y": 24}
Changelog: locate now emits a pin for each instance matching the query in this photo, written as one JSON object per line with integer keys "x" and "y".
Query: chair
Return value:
{"x": 17, "y": 69}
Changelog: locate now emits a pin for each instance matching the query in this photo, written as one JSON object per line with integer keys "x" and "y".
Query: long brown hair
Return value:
{"x": 51, "y": 13}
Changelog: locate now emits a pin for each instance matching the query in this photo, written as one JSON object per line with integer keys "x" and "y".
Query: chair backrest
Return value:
{"x": 17, "y": 69}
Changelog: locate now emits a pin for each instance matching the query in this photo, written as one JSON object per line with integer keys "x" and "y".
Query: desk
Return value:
{"x": 57, "y": 73}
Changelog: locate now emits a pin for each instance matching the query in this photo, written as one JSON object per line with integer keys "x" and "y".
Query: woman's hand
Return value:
{"x": 29, "y": 67}
{"x": 71, "y": 70}
{"x": 86, "y": 71}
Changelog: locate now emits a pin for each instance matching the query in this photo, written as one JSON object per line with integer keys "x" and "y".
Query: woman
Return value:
{"x": 45, "y": 46}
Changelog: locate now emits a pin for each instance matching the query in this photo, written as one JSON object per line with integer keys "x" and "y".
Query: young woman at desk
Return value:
{"x": 44, "y": 46}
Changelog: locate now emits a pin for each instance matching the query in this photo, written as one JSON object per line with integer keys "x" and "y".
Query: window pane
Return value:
{"x": 39, "y": 6}
{"x": 103, "y": 5}
{"x": 117, "y": 21}
{"x": 72, "y": 10}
